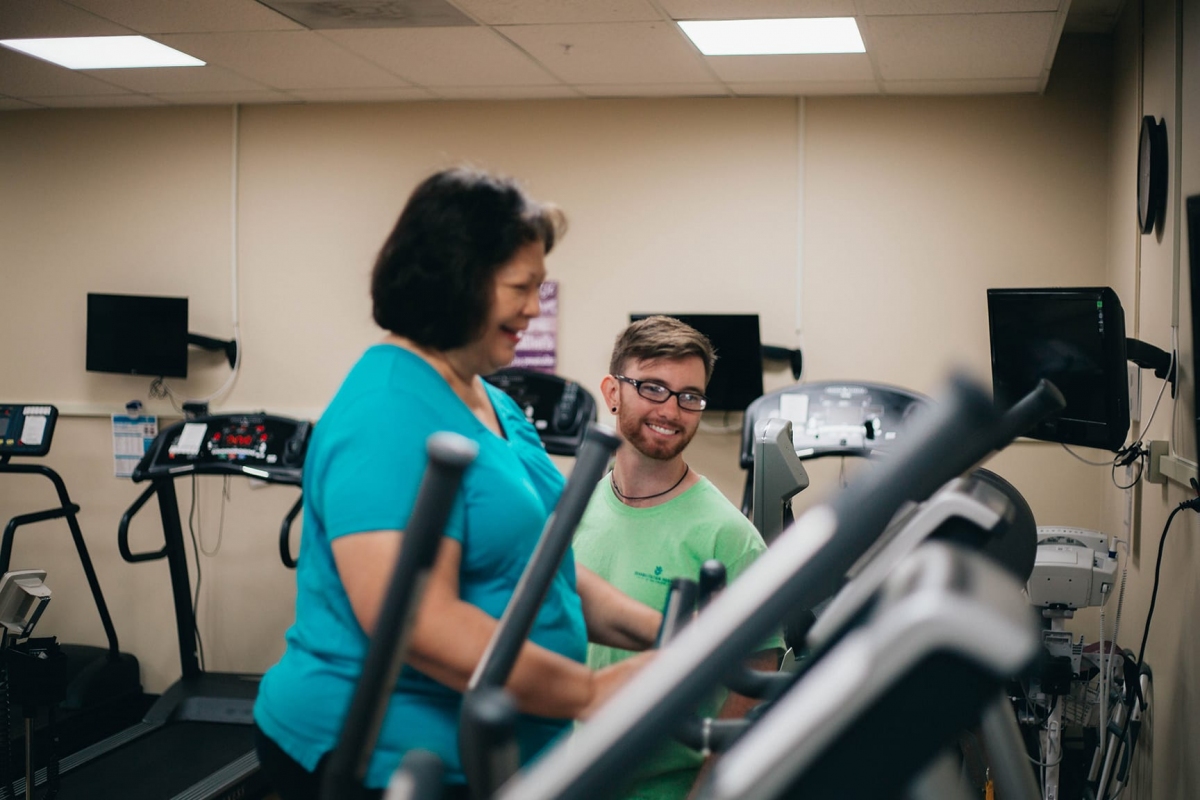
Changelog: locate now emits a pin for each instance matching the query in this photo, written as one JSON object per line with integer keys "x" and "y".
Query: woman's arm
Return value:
{"x": 613, "y": 618}
{"x": 450, "y": 635}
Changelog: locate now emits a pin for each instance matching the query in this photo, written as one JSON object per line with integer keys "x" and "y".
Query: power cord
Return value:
{"x": 1192, "y": 505}
{"x": 1135, "y": 453}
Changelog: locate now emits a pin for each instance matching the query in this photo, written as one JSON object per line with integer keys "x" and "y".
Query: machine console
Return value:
{"x": 559, "y": 409}
{"x": 256, "y": 445}
{"x": 26, "y": 430}
{"x": 835, "y": 418}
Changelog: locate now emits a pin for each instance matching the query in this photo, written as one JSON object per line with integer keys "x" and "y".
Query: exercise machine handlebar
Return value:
{"x": 678, "y": 610}
{"x": 599, "y": 443}
{"x": 285, "y": 533}
{"x": 488, "y": 757}
{"x": 123, "y": 530}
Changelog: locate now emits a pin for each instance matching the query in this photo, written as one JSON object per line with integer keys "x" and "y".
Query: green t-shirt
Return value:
{"x": 639, "y": 551}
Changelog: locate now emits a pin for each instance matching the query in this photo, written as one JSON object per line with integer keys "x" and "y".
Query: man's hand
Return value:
{"x": 606, "y": 682}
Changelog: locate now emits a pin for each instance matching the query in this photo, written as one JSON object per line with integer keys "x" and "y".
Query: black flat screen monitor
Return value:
{"x": 137, "y": 335}
{"x": 1075, "y": 338}
{"x": 737, "y": 379}
{"x": 1193, "y": 232}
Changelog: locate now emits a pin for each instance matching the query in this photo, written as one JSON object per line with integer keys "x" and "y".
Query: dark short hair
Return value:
{"x": 432, "y": 281}
{"x": 658, "y": 337}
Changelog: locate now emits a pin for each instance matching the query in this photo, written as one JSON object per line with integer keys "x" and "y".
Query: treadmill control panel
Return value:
{"x": 26, "y": 430}
{"x": 835, "y": 418}
{"x": 559, "y": 409}
{"x": 255, "y": 445}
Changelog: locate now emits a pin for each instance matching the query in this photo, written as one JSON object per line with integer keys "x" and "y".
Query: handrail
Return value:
{"x": 66, "y": 510}
{"x": 285, "y": 534}
{"x": 123, "y": 530}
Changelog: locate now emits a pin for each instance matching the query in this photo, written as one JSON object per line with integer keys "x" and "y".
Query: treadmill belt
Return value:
{"x": 161, "y": 764}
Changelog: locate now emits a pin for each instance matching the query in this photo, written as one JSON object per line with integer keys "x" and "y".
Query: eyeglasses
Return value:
{"x": 657, "y": 393}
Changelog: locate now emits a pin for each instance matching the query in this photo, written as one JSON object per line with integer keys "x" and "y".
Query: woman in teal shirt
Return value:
{"x": 455, "y": 285}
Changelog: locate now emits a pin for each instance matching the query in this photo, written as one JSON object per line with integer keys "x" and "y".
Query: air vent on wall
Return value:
{"x": 325, "y": 14}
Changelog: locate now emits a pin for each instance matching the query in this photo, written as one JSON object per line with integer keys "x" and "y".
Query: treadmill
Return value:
{"x": 197, "y": 741}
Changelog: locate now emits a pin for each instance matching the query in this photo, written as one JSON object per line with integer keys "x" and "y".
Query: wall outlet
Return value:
{"x": 1133, "y": 376}
{"x": 1154, "y": 473}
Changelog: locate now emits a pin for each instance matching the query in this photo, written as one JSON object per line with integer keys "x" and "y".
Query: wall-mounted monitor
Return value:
{"x": 737, "y": 379}
{"x": 1075, "y": 338}
{"x": 137, "y": 335}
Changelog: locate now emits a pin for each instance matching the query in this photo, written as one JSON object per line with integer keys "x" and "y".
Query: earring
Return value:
{"x": 614, "y": 409}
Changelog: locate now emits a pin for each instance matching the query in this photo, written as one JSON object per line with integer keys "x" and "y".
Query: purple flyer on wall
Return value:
{"x": 538, "y": 348}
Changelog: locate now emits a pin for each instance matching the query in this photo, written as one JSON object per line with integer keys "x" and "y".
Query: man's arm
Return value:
{"x": 614, "y": 618}
{"x": 737, "y": 706}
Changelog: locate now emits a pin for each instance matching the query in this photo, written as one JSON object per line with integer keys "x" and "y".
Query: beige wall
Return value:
{"x": 912, "y": 208}
{"x": 1144, "y": 267}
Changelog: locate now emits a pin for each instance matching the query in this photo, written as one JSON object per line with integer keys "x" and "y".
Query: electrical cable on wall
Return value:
{"x": 1137, "y": 453}
{"x": 159, "y": 388}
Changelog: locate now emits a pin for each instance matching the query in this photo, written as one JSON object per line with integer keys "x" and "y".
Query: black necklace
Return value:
{"x": 612, "y": 478}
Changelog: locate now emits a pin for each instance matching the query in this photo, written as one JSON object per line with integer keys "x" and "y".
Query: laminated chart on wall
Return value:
{"x": 538, "y": 348}
{"x": 132, "y": 436}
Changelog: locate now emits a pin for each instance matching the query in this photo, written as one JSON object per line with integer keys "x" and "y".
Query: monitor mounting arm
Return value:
{"x": 221, "y": 345}
{"x": 1147, "y": 356}
{"x": 794, "y": 358}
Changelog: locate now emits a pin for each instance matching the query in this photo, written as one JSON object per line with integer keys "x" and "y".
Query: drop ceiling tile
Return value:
{"x": 401, "y": 94}
{"x": 912, "y": 7}
{"x": 711, "y": 89}
{"x": 176, "y": 79}
{"x": 961, "y": 46}
{"x": 284, "y": 59}
{"x": 26, "y": 76}
{"x": 757, "y": 9}
{"x": 974, "y": 87}
{"x": 803, "y": 88}
{"x": 38, "y": 19}
{"x": 330, "y": 14}
{"x": 1093, "y": 16}
{"x": 445, "y": 56}
{"x": 190, "y": 16}
{"x": 98, "y": 101}
{"x": 551, "y": 12}
{"x": 833, "y": 67}
{"x": 544, "y": 92}
{"x": 13, "y": 104}
{"x": 225, "y": 98}
{"x": 614, "y": 53}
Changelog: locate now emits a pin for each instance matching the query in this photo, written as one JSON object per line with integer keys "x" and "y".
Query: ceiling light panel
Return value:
{"x": 757, "y": 9}
{"x": 103, "y": 52}
{"x": 762, "y": 37}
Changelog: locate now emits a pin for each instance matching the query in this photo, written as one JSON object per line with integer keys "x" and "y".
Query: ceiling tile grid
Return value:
{"x": 284, "y": 59}
{"x": 957, "y": 46}
{"x": 189, "y": 16}
{"x": 318, "y": 51}
{"x": 619, "y": 52}
{"x": 445, "y": 56}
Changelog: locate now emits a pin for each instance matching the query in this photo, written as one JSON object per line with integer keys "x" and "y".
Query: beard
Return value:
{"x": 633, "y": 430}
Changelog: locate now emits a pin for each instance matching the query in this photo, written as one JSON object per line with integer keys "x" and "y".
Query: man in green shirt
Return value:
{"x": 653, "y": 518}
